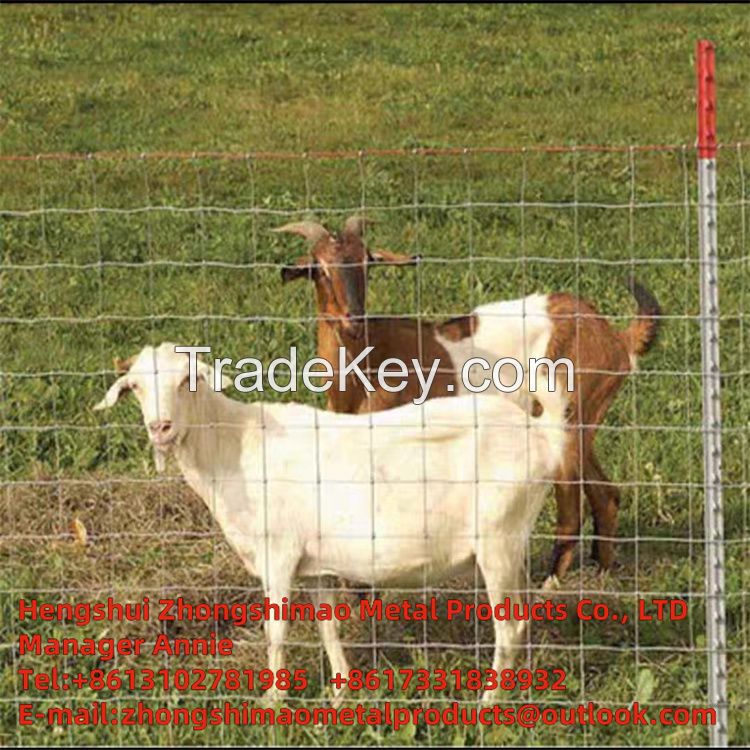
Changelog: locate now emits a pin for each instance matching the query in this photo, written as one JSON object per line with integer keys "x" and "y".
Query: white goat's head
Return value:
{"x": 159, "y": 378}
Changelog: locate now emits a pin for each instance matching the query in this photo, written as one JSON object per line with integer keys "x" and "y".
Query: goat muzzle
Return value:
{"x": 162, "y": 433}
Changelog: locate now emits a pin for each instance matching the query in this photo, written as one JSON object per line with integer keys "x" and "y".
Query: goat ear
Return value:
{"x": 112, "y": 396}
{"x": 304, "y": 268}
{"x": 206, "y": 372}
{"x": 386, "y": 257}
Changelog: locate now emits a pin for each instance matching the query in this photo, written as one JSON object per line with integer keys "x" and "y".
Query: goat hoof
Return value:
{"x": 551, "y": 583}
{"x": 605, "y": 574}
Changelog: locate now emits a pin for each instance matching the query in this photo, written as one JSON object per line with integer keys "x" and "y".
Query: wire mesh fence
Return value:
{"x": 102, "y": 255}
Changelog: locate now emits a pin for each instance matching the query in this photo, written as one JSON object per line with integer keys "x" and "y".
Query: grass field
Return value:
{"x": 180, "y": 249}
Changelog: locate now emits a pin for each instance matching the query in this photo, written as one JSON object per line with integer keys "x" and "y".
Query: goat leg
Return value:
{"x": 567, "y": 493}
{"x": 501, "y": 579}
{"x": 329, "y": 634}
{"x": 276, "y": 587}
{"x": 604, "y": 498}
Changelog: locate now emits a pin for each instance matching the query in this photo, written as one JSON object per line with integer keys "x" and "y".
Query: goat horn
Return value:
{"x": 356, "y": 225}
{"x": 310, "y": 230}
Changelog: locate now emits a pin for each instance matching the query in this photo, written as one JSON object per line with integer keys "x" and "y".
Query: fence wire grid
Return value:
{"x": 104, "y": 254}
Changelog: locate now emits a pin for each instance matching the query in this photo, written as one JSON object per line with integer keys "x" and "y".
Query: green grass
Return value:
{"x": 252, "y": 78}
{"x": 291, "y": 78}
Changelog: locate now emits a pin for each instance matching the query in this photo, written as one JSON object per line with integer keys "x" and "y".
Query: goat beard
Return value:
{"x": 161, "y": 452}
{"x": 160, "y": 459}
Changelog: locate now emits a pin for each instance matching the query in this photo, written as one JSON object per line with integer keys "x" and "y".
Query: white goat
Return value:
{"x": 399, "y": 497}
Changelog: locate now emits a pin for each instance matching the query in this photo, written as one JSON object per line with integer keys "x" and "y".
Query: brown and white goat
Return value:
{"x": 556, "y": 326}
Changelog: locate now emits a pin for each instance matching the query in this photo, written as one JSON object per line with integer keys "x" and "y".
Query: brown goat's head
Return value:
{"x": 338, "y": 264}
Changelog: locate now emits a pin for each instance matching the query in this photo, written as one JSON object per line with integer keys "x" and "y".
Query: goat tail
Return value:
{"x": 641, "y": 334}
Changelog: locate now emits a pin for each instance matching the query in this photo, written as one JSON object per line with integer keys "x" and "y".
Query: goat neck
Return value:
{"x": 213, "y": 442}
